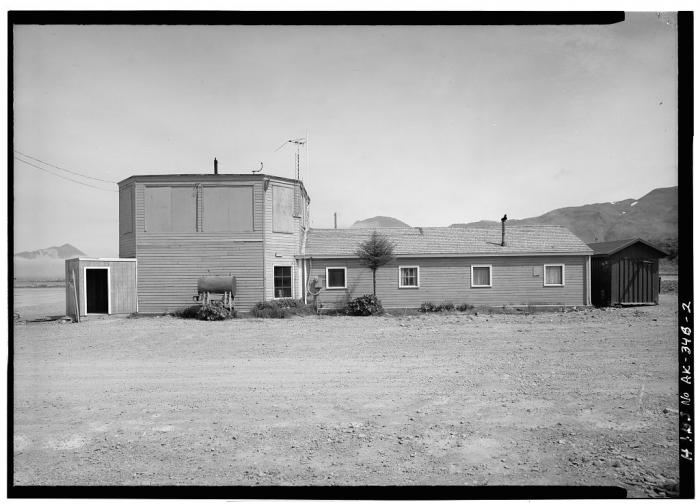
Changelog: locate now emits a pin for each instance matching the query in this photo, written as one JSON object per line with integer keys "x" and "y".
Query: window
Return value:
{"x": 282, "y": 209}
{"x": 408, "y": 277}
{"x": 283, "y": 281}
{"x": 553, "y": 275}
{"x": 335, "y": 278}
{"x": 481, "y": 275}
{"x": 171, "y": 209}
{"x": 227, "y": 208}
{"x": 126, "y": 216}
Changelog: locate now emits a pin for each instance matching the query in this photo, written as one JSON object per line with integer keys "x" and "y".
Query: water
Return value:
{"x": 37, "y": 302}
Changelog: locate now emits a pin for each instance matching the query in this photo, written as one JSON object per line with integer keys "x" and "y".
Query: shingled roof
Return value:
{"x": 610, "y": 247}
{"x": 446, "y": 241}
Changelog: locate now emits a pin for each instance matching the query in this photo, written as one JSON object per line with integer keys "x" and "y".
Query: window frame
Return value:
{"x": 490, "y": 267}
{"x": 345, "y": 277}
{"x": 563, "y": 275}
{"x": 291, "y": 281}
{"x": 417, "y": 268}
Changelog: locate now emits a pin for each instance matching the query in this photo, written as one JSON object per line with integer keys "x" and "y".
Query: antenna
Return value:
{"x": 298, "y": 142}
{"x": 259, "y": 169}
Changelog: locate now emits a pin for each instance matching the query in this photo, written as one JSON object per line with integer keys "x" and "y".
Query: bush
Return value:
{"x": 281, "y": 308}
{"x": 364, "y": 305}
{"x": 268, "y": 309}
{"x": 427, "y": 307}
{"x": 465, "y": 307}
{"x": 446, "y": 307}
{"x": 206, "y": 312}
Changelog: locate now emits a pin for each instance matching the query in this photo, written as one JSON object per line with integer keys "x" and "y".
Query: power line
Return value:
{"x": 66, "y": 178}
{"x": 64, "y": 169}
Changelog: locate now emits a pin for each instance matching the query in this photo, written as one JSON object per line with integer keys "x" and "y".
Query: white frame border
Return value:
{"x": 291, "y": 269}
{"x": 345, "y": 277}
{"x": 490, "y": 267}
{"x": 109, "y": 288}
{"x": 563, "y": 275}
{"x": 402, "y": 266}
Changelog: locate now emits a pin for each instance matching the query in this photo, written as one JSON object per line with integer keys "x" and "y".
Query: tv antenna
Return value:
{"x": 298, "y": 142}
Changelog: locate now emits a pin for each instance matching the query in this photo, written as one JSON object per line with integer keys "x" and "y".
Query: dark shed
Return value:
{"x": 625, "y": 272}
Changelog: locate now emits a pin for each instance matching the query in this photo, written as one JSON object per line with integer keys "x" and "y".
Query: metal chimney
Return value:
{"x": 503, "y": 230}
{"x": 216, "y": 167}
{"x": 335, "y": 220}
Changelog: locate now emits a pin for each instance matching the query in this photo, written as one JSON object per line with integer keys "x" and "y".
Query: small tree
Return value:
{"x": 376, "y": 251}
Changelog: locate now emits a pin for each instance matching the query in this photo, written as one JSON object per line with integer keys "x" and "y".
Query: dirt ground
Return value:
{"x": 579, "y": 398}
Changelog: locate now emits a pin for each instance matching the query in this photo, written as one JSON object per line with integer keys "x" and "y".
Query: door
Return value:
{"x": 97, "y": 290}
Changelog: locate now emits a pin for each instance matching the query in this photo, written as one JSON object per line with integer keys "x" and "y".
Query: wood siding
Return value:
{"x": 280, "y": 247}
{"x": 449, "y": 280}
{"x": 629, "y": 276}
{"x": 127, "y": 240}
{"x": 169, "y": 264}
{"x": 122, "y": 279}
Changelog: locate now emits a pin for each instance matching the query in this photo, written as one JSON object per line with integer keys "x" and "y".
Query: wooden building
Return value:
{"x": 183, "y": 227}
{"x": 100, "y": 286}
{"x": 536, "y": 265}
{"x": 625, "y": 272}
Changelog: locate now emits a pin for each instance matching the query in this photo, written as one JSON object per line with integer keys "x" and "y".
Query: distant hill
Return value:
{"x": 44, "y": 264}
{"x": 379, "y": 222}
{"x": 653, "y": 217}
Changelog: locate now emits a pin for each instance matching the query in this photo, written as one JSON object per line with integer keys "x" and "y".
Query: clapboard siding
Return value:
{"x": 168, "y": 272}
{"x": 171, "y": 263}
{"x": 127, "y": 241}
{"x": 280, "y": 248}
{"x": 122, "y": 281}
{"x": 449, "y": 280}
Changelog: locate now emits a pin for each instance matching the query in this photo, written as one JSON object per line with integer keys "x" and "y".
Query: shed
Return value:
{"x": 101, "y": 286}
{"x": 625, "y": 272}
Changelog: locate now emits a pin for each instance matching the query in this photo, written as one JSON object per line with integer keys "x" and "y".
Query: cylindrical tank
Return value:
{"x": 217, "y": 284}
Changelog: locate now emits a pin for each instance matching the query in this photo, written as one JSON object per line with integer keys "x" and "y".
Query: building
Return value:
{"x": 100, "y": 286}
{"x": 625, "y": 272}
{"x": 183, "y": 227}
{"x": 176, "y": 229}
{"x": 514, "y": 265}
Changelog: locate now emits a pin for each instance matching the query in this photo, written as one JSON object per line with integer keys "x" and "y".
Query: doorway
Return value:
{"x": 96, "y": 290}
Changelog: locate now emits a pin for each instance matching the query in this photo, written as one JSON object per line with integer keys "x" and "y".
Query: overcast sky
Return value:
{"x": 431, "y": 125}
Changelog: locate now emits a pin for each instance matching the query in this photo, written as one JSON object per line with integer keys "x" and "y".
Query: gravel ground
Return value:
{"x": 578, "y": 398}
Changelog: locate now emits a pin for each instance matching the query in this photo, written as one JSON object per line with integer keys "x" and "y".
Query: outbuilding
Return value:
{"x": 100, "y": 286}
{"x": 625, "y": 272}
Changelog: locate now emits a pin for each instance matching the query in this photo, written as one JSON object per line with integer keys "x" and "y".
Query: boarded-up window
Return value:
{"x": 171, "y": 209}
{"x": 228, "y": 208}
{"x": 126, "y": 215}
{"x": 282, "y": 208}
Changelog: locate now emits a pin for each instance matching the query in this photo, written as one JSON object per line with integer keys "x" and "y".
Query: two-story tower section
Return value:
{"x": 183, "y": 227}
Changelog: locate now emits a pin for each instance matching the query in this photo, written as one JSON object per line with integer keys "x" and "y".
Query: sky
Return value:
{"x": 433, "y": 125}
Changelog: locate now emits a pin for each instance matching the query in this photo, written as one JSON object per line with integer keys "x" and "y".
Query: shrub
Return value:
{"x": 364, "y": 305}
{"x": 206, "y": 312}
{"x": 446, "y": 307}
{"x": 268, "y": 309}
{"x": 465, "y": 307}
{"x": 427, "y": 307}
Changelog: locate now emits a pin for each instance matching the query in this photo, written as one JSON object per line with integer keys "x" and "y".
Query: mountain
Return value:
{"x": 65, "y": 251}
{"x": 379, "y": 222}
{"x": 44, "y": 264}
{"x": 653, "y": 217}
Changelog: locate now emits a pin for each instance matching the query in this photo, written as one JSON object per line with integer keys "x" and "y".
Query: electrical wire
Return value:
{"x": 64, "y": 169}
{"x": 66, "y": 178}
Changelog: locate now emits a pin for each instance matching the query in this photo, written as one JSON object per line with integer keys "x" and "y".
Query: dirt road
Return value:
{"x": 583, "y": 398}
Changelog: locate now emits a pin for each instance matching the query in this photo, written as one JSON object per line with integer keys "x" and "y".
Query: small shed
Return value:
{"x": 625, "y": 272}
{"x": 100, "y": 286}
